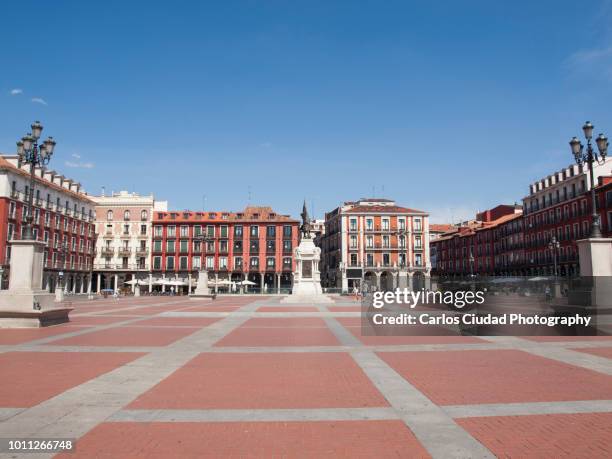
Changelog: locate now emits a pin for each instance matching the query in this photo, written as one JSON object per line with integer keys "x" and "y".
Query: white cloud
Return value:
{"x": 79, "y": 165}
{"x": 76, "y": 155}
{"x": 39, "y": 100}
{"x": 591, "y": 62}
{"x": 16, "y": 91}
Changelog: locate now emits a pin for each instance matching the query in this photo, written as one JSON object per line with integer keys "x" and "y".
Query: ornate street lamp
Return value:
{"x": 554, "y": 245}
{"x": 29, "y": 152}
{"x": 590, "y": 157}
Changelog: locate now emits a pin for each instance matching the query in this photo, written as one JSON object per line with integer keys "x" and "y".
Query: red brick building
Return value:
{"x": 256, "y": 244}
{"x": 63, "y": 218}
{"x": 491, "y": 245}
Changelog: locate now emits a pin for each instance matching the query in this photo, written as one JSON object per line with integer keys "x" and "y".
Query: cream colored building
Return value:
{"x": 123, "y": 247}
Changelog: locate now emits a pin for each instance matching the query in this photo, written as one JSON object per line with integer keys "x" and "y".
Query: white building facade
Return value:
{"x": 123, "y": 248}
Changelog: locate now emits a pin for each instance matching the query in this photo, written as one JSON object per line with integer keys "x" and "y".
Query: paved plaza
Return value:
{"x": 247, "y": 376}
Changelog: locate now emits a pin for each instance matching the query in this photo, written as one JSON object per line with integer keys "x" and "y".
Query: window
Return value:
{"x": 418, "y": 242}
{"x": 238, "y": 231}
{"x": 353, "y": 259}
{"x": 184, "y": 231}
{"x": 369, "y": 224}
{"x": 169, "y": 263}
{"x": 157, "y": 245}
{"x": 386, "y": 259}
{"x": 223, "y": 246}
{"x": 126, "y": 229}
{"x": 184, "y": 245}
{"x": 353, "y": 224}
{"x": 353, "y": 244}
{"x": 270, "y": 262}
{"x": 170, "y": 245}
{"x": 271, "y": 231}
{"x": 402, "y": 242}
{"x": 171, "y": 231}
{"x": 418, "y": 259}
{"x": 369, "y": 242}
{"x": 210, "y": 262}
{"x": 237, "y": 262}
{"x": 223, "y": 231}
{"x": 183, "y": 263}
{"x": 144, "y": 215}
{"x": 197, "y": 262}
{"x": 287, "y": 263}
{"x": 287, "y": 231}
{"x": 417, "y": 224}
{"x": 401, "y": 223}
{"x": 157, "y": 231}
{"x": 369, "y": 259}
{"x": 385, "y": 224}
{"x": 222, "y": 262}
{"x": 210, "y": 231}
{"x": 287, "y": 246}
{"x": 126, "y": 215}
{"x": 254, "y": 231}
{"x": 255, "y": 262}
{"x": 143, "y": 230}
{"x": 385, "y": 241}
{"x": 270, "y": 245}
{"x": 109, "y": 214}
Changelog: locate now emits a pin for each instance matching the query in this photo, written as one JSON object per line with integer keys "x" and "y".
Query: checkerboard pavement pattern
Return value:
{"x": 247, "y": 376}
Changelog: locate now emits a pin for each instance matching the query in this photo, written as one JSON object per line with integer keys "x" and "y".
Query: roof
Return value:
{"x": 441, "y": 227}
{"x": 383, "y": 209}
{"x": 261, "y": 214}
{"x": 8, "y": 166}
{"x": 464, "y": 231}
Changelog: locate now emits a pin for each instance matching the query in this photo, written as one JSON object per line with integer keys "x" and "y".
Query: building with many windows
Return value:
{"x": 559, "y": 206}
{"x": 377, "y": 242}
{"x": 123, "y": 247}
{"x": 492, "y": 244}
{"x": 63, "y": 218}
{"x": 255, "y": 245}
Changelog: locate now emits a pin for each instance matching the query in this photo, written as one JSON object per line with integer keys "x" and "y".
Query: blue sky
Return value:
{"x": 452, "y": 106}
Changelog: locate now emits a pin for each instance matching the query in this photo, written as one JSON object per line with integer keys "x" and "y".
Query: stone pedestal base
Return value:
{"x": 17, "y": 310}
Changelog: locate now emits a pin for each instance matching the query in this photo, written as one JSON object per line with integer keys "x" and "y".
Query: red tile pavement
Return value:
{"x": 24, "y": 335}
{"x": 177, "y": 321}
{"x": 344, "y": 308}
{"x": 258, "y": 380}
{"x": 499, "y": 376}
{"x": 542, "y": 339}
{"x": 149, "y": 310}
{"x": 412, "y": 339}
{"x": 585, "y": 435}
{"x": 211, "y": 309}
{"x": 98, "y": 320}
{"x": 29, "y": 378}
{"x": 274, "y": 336}
{"x": 127, "y": 336}
{"x": 598, "y": 351}
{"x": 285, "y": 322}
{"x": 350, "y": 439}
{"x": 287, "y": 309}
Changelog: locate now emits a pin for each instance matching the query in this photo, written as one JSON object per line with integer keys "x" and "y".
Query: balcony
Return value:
{"x": 107, "y": 251}
{"x": 142, "y": 251}
{"x": 125, "y": 252}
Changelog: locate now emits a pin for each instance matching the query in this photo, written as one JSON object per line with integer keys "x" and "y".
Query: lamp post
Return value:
{"x": 554, "y": 246}
{"x": 590, "y": 157}
{"x": 471, "y": 264}
{"x": 29, "y": 152}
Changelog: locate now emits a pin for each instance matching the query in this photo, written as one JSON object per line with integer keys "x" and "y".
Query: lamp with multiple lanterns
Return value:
{"x": 591, "y": 157}
{"x": 30, "y": 152}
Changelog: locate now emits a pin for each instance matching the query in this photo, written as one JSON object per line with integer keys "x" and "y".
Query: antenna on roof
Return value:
{"x": 103, "y": 191}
